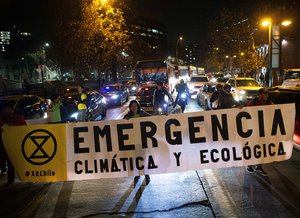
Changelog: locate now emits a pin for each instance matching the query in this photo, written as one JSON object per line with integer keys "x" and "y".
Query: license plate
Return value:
{"x": 148, "y": 108}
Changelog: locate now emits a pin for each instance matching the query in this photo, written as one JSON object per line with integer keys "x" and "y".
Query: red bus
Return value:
{"x": 148, "y": 71}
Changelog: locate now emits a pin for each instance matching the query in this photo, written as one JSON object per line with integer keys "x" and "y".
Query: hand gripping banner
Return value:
{"x": 151, "y": 145}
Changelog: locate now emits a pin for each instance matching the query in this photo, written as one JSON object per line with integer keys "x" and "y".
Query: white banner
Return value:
{"x": 180, "y": 142}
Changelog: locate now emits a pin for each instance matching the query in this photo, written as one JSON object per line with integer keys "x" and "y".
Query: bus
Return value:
{"x": 148, "y": 71}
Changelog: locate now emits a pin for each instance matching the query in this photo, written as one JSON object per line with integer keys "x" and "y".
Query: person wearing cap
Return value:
{"x": 159, "y": 96}
{"x": 261, "y": 99}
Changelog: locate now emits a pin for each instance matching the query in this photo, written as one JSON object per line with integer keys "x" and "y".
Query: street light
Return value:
{"x": 176, "y": 56}
{"x": 274, "y": 47}
{"x": 46, "y": 45}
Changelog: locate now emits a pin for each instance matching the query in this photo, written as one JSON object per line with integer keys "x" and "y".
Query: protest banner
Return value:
{"x": 152, "y": 145}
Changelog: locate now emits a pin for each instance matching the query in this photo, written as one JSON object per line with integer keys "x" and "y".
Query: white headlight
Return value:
{"x": 115, "y": 96}
{"x": 243, "y": 92}
{"x": 183, "y": 95}
{"x": 75, "y": 115}
{"x": 237, "y": 98}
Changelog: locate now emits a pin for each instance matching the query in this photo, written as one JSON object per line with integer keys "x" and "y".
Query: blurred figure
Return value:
{"x": 225, "y": 98}
{"x": 135, "y": 110}
{"x": 10, "y": 119}
{"x": 180, "y": 89}
{"x": 82, "y": 104}
{"x": 26, "y": 87}
{"x": 161, "y": 98}
{"x": 262, "y": 99}
{"x": 56, "y": 112}
{"x": 214, "y": 97}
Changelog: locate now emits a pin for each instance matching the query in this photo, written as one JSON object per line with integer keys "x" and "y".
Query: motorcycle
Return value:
{"x": 182, "y": 100}
{"x": 163, "y": 107}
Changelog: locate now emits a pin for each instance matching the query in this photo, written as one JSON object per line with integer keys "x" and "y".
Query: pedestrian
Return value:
{"x": 26, "y": 87}
{"x": 56, "y": 111}
{"x": 261, "y": 99}
{"x": 82, "y": 104}
{"x": 214, "y": 97}
{"x": 226, "y": 100}
{"x": 10, "y": 119}
{"x": 135, "y": 110}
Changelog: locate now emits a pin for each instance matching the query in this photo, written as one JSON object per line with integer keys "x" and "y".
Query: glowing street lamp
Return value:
{"x": 274, "y": 47}
{"x": 176, "y": 56}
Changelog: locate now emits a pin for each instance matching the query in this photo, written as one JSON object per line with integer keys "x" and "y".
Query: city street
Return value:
{"x": 228, "y": 192}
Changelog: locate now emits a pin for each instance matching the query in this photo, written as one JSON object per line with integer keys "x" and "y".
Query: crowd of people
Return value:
{"x": 220, "y": 99}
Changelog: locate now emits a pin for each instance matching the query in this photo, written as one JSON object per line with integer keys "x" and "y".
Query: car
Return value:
{"x": 29, "y": 106}
{"x": 115, "y": 93}
{"x": 244, "y": 89}
{"x": 291, "y": 82}
{"x": 132, "y": 86}
{"x": 204, "y": 94}
{"x": 283, "y": 95}
{"x": 196, "y": 82}
{"x": 215, "y": 76}
{"x": 96, "y": 107}
{"x": 145, "y": 97}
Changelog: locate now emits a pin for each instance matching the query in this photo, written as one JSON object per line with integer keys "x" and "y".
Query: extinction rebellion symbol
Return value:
{"x": 39, "y": 147}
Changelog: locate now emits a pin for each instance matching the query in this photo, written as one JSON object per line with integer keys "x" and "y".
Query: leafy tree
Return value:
{"x": 93, "y": 38}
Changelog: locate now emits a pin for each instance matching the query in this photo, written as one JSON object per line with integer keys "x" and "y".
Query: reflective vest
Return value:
{"x": 81, "y": 105}
{"x": 53, "y": 113}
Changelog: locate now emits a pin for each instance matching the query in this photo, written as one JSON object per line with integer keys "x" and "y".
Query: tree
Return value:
{"x": 94, "y": 39}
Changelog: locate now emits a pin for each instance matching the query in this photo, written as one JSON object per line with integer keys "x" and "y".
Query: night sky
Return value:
{"x": 187, "y": 18}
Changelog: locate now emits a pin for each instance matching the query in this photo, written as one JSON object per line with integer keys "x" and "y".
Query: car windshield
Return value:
{"x": 110, "y": 88}
{"x": 199, "y": 79}
{"x": 247, "y": 83}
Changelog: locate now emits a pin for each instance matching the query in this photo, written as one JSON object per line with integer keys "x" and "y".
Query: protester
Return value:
{"x": 10, "y": 119}
{"x": 225, "y": 98}
{"x": 135, "y": 110}
{"x": 56, "y": 112}
{"x": 214, "y": 97}
{"x": 82, "y": 104}
{"x": 261, "y": 99}
{"x": 160, "y": 96}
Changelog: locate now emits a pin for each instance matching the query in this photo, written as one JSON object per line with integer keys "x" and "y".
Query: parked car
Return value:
{"x": 115, "y": 93}
{"x": 145, "y": 97}
{"x": 243, "y": 89}
{"x": 96, "y": 107}
{"x": 29, "y": 106}
{"x": 283, "y": 95}
{"x": 196, "y": 82}
{"x": 204, "y": 94}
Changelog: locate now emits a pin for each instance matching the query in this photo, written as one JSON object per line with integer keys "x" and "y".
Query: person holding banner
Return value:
{"x": 9, "y": 119}
{"x": 262, "y": 99}
{"x": 56, "y": 111}
{"x": 135, "y": 110}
